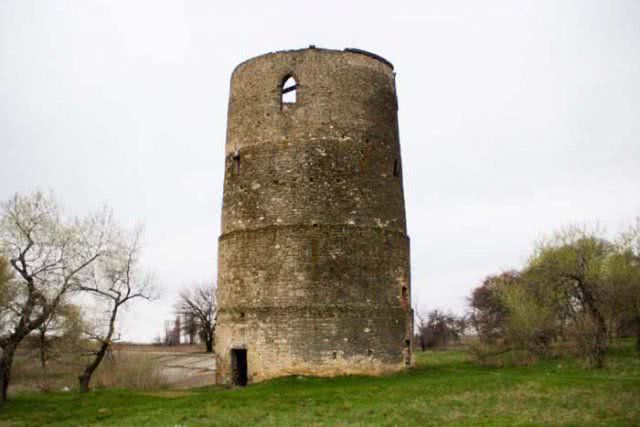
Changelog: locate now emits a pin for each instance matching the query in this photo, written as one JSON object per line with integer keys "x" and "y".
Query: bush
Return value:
{"x": 439, "y": 329}
{"x": 130, "y": 370}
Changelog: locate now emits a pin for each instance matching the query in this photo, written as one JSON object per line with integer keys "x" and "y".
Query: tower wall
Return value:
{"x": 313, "y": 268}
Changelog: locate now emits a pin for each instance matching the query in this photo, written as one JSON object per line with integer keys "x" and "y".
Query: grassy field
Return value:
{"x": 444, "y": 388}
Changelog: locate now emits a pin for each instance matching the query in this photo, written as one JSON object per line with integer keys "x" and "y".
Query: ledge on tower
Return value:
{"x": 369, "y": 54}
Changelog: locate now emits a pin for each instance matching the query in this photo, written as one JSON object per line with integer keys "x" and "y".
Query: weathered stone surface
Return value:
{"x": 313, "y": 268}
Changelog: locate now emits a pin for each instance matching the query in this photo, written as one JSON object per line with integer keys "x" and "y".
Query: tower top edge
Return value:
{"x": 348, "y": 50}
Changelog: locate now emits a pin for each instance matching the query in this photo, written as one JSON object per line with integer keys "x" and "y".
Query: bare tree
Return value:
{"x": 199, "y": 303}
{"x": 114, "y": 281}
{"x": 172, "y": 332}
{"x": 47, "y": 253}
{"x": 190, "y": 327}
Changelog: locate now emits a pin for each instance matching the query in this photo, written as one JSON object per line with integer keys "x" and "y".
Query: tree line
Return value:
{"x": 577, "y": 287}
{"x": 195, "y": 317}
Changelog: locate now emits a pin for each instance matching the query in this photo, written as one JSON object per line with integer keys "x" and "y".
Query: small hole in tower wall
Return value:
{"x": 407, "y": 352}
{"x": 288, "y": 91}
{"x": 236, "y": 164}
{"x": 396, "y": 168}
{"x": 405, "y": 296}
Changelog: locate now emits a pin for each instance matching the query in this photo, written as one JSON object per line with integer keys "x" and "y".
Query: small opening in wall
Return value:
{"x": 370, "y": 352}
{"x": 396, "y": 168}
{"x": 334, "y": 355}
{"x": 405, "y": 294}
{"x": 242, "y": 314}
{"x": 236, "y": 163}
{"x": 288, "y": 90}
{"x": 407, "y": 352}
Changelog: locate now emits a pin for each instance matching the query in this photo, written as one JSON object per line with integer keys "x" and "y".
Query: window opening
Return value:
{"x": 236, "y": 162}
{"x": 404, "y": 301}
{"x": 288, "y": 90}
{"x": 407, "y": 352}
{"x": 396, "y": 168}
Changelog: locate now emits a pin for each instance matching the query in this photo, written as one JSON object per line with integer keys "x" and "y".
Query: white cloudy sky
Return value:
{"x": 516, "y": 117}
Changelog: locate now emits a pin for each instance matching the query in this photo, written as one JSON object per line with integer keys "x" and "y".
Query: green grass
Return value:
{"x": 444, "y": 388}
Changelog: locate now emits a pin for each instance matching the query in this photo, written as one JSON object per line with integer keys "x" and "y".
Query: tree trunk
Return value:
{"x": 638, "y": 334}
{"x": 601, "y": 346}
{"x": 600, "y": 340}
{"x": 209, "y": 344}
{"x": 85, "y": 378}
{"x": 6, "y": 360}
{"x": 43, "y": 350}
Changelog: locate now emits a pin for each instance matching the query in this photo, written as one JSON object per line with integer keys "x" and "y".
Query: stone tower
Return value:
{"x": 313, "y": 267}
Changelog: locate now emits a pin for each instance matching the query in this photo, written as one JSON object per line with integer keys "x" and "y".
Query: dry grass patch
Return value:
{"x": 133, "y": 371}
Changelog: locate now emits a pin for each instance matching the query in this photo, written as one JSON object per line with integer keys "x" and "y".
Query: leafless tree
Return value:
{"x": 172, "y": 332}
{"x": 47, "y": 253}
{"x": 199, "y": 303}
{"x": 113, "y": 281}
{"x": 190, "y": 327}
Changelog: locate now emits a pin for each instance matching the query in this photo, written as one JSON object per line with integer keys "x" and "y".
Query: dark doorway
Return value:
{"x": 239, "y": 367}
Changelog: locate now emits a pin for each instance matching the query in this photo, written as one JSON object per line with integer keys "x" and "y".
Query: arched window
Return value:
{"x": 288, "y": 90}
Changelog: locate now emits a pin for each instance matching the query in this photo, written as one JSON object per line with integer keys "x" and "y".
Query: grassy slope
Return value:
{"x": 443, "y": 388}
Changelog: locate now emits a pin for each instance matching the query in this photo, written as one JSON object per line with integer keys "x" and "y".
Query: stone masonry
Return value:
{"x": 313, "y": 267}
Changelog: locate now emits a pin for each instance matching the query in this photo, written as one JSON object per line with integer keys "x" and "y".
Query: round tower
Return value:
{"x": 313, "y": 265}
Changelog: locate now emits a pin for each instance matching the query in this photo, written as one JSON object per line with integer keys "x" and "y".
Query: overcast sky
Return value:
{"x": 516, "y": 117}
